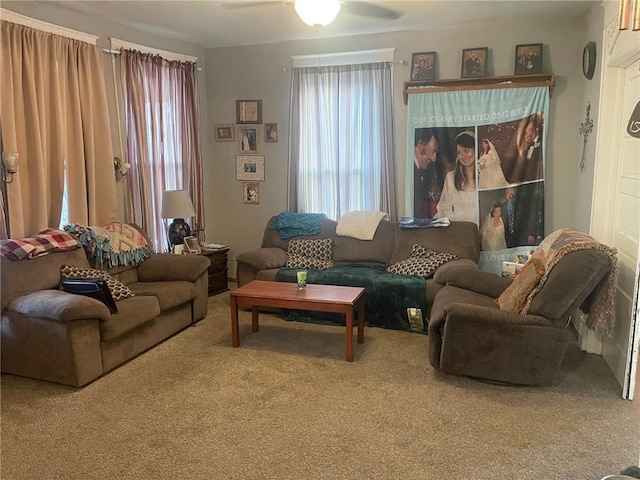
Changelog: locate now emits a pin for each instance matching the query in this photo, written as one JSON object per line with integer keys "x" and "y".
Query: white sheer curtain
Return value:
{"x": 342, "y": 150}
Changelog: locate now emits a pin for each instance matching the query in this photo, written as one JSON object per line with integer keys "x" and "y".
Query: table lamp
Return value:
{"x": 177, "y": 204}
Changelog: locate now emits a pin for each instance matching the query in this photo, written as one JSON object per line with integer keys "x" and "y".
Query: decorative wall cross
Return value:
{"x": 586, "y": 128}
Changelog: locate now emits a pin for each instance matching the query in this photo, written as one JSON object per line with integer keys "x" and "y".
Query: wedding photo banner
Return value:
{"x": 479, "y": 156}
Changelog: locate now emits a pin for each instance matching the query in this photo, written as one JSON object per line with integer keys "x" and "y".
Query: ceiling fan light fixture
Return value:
{"x": 317, "y": 13}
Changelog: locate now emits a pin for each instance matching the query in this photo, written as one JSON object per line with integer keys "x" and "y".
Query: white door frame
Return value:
{"x": 633, "y": 353}
{"x": 620, "y": 50}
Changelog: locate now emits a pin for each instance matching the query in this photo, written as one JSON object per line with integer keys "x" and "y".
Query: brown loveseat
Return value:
{"x": 364, "y": 262}
{"x": 48, "y": 334}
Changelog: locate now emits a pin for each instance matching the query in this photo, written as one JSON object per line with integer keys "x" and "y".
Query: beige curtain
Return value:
{"x": 162, "y": 138}
{"x": 54, "y": 114}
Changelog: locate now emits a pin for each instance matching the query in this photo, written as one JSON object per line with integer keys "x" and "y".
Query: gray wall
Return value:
{"x": 582, "y": 199}
{"x": 256, "y": 72}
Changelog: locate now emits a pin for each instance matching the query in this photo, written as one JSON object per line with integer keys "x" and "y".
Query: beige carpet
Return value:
{"x": 286, "y": 405}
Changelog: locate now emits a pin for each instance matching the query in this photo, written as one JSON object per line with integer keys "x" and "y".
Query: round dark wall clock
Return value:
{"x": 589, "y": 60}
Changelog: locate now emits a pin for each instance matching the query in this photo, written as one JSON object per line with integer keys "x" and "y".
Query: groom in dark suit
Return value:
{"x": 519, "y": 219}
{"x": 428, "y": 175}
{"x": 528, "y": 162}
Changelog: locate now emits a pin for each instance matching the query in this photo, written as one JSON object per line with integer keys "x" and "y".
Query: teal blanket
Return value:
{"x": 291, "y": 224}
{"x": 387, "y": 296}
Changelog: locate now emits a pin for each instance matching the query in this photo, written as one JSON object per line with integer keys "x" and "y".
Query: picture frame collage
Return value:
{"x": 474, "y": 63}
{"x": 248, "y": 132}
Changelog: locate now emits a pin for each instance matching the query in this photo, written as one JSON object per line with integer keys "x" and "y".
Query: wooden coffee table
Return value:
{"x": 321, "y": 298}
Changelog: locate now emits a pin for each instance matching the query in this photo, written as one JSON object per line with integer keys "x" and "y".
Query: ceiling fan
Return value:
{"x": 319, "y": 13}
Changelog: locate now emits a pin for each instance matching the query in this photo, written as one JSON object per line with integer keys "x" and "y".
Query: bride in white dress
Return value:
{"x": 493, "y": 230}
{"x": 490, "y": 173}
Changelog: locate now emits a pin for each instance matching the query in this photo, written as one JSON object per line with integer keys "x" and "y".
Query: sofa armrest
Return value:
{"x": 452, "y": 268}
{"x": 463, "y": 276}
{"x": 59, "y": 305}
{"x": 480, "y": 315}
{"x": 164, "y": 267}
{"x": 485, "y": 342}
{"x": 264, "y": 258}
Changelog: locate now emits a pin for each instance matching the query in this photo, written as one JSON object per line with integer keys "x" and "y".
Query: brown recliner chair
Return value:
{"x": 470, "y": 335}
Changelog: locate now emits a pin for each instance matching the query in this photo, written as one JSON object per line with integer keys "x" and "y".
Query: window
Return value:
{"x": 342, "y": 152}
{"x": 162, "y": 138}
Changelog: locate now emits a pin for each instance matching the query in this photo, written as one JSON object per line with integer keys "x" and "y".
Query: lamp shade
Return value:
{"x": 317, "y": 13}
{"x": 177, "y": 204}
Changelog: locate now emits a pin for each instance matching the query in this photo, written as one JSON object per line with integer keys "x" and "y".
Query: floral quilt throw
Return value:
{"x": 112, "y": 245}
{"x": 601, "y": 316}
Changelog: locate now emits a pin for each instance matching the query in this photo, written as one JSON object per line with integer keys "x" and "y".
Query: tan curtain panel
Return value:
{"x": 54, "y": 114}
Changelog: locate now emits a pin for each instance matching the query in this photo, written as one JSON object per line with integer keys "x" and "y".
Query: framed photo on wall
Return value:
{"x": 248, "y": 111}
{"x": 270, "y": 132}
{"x": 250, "y": 193}
{"x": 250, "y": 167}
{"x": 248, "y": 139}
{"x": 474, "y": 62}
{"x": 423, "y": 66}
{"x": 528, "y": 59}
{"x": 224, "y": 132}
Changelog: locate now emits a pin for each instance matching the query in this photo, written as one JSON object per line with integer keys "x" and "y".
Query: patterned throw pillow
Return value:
{"x": 515, "y": 295}
{"x": 316, "y": 254}
{"x": 119, "y": 290}
{"x": 422, "y": 262}
{"x": 420, "y": 251}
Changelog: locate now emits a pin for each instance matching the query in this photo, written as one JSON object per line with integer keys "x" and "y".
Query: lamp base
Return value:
{"x": 178, "y": 229}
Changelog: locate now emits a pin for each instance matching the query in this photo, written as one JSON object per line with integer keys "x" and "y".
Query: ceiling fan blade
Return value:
{"x": 367, "y": 9}
{"x": 242, "y": 5}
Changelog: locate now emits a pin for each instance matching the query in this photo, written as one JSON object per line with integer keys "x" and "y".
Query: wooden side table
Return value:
{"x": 217, "y": 270}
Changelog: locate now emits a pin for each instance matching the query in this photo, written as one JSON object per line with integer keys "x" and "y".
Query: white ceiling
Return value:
{"x": 230, "y": 23}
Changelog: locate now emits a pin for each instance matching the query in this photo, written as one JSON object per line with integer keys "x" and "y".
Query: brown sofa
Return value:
{"x": 357, "y": 258}
{"x": 470, "y": 335}
{"x": 48, "y": 334}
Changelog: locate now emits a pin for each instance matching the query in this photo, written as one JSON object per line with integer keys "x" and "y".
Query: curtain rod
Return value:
{"x": 402, "y": 62}
{"x": 117, "y": 52}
